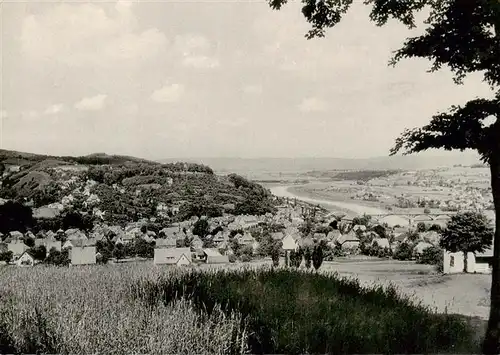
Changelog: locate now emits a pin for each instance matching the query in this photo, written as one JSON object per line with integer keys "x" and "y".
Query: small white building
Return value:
{"x": 26, "y": 259}
{"x": 290, "y": 242}
{"x": 85, "y": 255}
{"x": 173, "y": 256}
{"x": 214, "y": 257}
{"x": 453, "y": 263}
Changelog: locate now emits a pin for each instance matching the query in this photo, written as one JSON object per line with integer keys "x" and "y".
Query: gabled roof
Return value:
{"x": 16, "y": 235}
{"x": 212, "y": 252}
{"x": 166, "y": 243}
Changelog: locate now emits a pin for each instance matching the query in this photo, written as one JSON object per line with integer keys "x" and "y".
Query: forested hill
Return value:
{"x": 122, "y": 189}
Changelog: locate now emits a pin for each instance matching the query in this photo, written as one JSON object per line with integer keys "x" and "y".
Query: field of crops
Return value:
{"x": 144, "y": 309}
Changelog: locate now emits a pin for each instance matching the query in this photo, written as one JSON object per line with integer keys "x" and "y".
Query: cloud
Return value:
{"x": 94, "y": 103}
{"x": 168, "y": 93}
{"x": 200, "y": 62}
{"x": 252, "y": 89}
{"x": 85, "y": 34}
{"x": 54, "y": 109}
{"x": 189, "y": 43}
{"x": 238, "y": 122}
{"x": 313, "y": 104}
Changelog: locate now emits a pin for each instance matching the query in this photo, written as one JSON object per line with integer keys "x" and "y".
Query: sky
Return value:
{"x": 164, "y": 79}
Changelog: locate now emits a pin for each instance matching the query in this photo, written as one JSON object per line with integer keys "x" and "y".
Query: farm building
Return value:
{"x": 290, "y": 242}
{"x": 483, "y": 261}
{"x": 196, "y": 242}
{"x": 173, "y": 256}
{"x": 17, "y": 247}
{"x": 347, "y": 241}
{"x": 83, "y": 255}
{"x": 166, "y": 243}
{"x": 214, "y": 257}
{"x": 26, "y": 259}
{"x": 454, "y": 262}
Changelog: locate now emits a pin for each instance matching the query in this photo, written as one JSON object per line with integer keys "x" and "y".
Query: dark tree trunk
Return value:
{"x": 465, "y": 261}
{"x": 491, "y": 344}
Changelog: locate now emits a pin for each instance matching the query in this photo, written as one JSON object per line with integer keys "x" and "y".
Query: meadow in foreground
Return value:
{"x": 145, "y": 309}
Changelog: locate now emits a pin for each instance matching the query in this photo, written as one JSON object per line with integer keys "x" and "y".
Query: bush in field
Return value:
{"x": 404, "y": 251}
{"x": 293, "y": 312}
{"x": 6, "y": 256}
{"x": 307, "y": 257}
{"x": 317, "y": 256}
{"x": 431, "y": 256}
{"x": 57, "y": 258}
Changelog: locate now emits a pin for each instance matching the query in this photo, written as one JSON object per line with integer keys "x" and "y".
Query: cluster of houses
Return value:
{"x": 81, "y": 249}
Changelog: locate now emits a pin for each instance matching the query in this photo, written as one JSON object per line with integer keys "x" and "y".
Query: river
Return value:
{"x": 283, "y": 191}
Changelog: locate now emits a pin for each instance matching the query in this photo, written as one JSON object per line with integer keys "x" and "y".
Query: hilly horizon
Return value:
{"x": 408, "y": 162}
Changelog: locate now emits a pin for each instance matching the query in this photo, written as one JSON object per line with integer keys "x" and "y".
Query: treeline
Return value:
{"x": 364, "y": 175}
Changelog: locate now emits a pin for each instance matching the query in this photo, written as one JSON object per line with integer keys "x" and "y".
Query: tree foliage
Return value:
{"x": 14, "y": 216}
{"x": 464, "y": 36}
{"x": 467, "y": 232}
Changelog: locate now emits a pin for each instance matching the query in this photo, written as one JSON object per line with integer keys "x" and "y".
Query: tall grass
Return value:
{"x": 89, "y": 310}
{"x": 298, "y": 312}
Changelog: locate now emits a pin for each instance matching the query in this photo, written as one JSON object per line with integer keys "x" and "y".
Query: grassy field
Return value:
{"x": 140, "y": 308}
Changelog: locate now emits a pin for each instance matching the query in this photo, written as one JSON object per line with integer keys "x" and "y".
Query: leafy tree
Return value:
{"x": 119, "y": 251}
{"x": 14, "y": 216}
{"x": 463, "y": 35}
{"x": 201, "y": 228}
{"x": 58, "y": 258}
{"x": 6, "y": 256}
{"x": 431, "y": 256}
{"x": 404, "y": 251}
{"x": 380, "y": 230}
{"x": 436, "y": 228}
{"x": 39, "y": 253}
{"x": 467, "y": 232}
{"x": 275, "y": 253}
{"x": 421, "y": 227}
{"x": 363, "y": 220}
{"x": 73, "y": 219}
{"x": 317, "y": 256}
{"x": 307, "y": 257}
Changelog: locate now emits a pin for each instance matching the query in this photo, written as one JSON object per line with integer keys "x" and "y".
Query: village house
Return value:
{"x": 213, "y": 256}
{"x": 17, "y": 247}
{"x": 291, "y": 242}
{"x": 173, "y": 256}
{"x": 480, "y": 263}
{"x": 166, "y": 243}
{"x": 196, "y": 243}
{"x": 349, "y": 241}
{"x": 26, "y": 259}
{"x": 83, "y": 255}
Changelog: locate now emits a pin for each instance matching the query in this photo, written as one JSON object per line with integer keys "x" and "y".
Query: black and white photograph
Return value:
{"x": 249, "y": 177}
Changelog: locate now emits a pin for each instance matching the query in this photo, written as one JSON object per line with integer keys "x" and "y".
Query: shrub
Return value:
{"x": 431, "y": 256}
{"x": 404, "y": 251}
{"x": 232, "y": 258}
